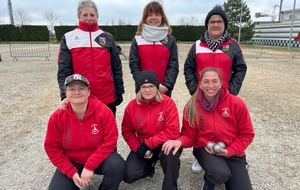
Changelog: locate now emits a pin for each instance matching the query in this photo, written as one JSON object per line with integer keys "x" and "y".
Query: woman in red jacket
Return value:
{"x": 81, "y": 140}
{"x": 150, "y": 120}
{"x": 92, "y": 52}
{"x": 217, "y": 49}
{"x": 214, "y": 115}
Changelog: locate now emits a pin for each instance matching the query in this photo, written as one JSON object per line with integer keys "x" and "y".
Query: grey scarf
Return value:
{"x": 153, "y": 33}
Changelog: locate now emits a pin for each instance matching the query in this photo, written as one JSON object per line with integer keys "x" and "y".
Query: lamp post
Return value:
{"x": 240, "y": 27}
{"x": 11, "y": 16}
{"x": 291, "y": 31}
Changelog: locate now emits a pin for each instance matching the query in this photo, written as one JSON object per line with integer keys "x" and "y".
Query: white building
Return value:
{"x": 278, "y": 32}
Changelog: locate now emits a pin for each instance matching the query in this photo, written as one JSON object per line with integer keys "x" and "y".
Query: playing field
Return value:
{"x": 29, "y": 94}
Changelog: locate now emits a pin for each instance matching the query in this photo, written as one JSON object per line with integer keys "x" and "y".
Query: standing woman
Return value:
{"x": 214, "y": 115}
{"x": 150, "y": 120}
{"x": 217, "y": 49}
{"x": 92, "y": 52}
{"x": 154, "y": 48}
{"x": 81, "y": 140}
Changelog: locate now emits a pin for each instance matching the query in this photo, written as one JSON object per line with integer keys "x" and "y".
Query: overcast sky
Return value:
{"x": 130, "y": 11}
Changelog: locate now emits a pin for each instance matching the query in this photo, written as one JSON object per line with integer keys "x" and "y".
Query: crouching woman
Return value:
{"x": 81, "y": 140}
{"x": 214, "y": 115}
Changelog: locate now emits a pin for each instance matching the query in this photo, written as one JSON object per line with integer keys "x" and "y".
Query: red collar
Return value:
{"x": 86, "y": 27}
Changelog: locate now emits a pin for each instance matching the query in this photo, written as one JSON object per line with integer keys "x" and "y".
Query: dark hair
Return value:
{"x": 155, "y": 7}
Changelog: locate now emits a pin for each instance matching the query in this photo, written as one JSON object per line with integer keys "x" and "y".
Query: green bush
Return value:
{"x": 24, "y": 33}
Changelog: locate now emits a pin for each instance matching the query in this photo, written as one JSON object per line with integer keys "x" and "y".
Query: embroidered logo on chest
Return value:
{"x": 225, "y": 112}
{"x": 160, "y": 116}
{"x": 164, "y": 41}
{"x": 95, "y": 130}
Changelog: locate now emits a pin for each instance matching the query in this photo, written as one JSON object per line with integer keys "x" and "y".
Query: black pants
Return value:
{"x": 138, "y": 168}
{"x": 218, "y": 170}
{"x": 113, "y": 168}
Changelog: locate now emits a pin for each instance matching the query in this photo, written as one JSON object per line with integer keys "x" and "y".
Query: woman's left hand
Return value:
{"x": 86, "y": 177}
{"x": 223, "y": 152}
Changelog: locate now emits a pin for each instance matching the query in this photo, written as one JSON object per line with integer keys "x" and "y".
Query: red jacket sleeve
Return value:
{"x": 188, "y": 133}
{"x": 245, "y": 130}
{"x": 54, "y": 149}
{"x": 128, "y": 131}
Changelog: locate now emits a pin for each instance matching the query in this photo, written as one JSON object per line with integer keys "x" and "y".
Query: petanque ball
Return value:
{"x": 221, "y": 144}
{"x": 217, "y": 148}
{"x": 209, "y": 144}
{"x": 148, "y": 153}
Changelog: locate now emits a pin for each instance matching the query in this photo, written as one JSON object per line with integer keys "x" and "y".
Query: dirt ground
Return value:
{"x": 29, "y": 94}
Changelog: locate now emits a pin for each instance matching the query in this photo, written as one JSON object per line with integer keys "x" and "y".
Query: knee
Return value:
{"x": 128, "y": 179}
{"x": 120, "y": 166}
{"x": 171, "y": 156}
{"x": 219, "y": 177}
{"x": 117, "y": 167}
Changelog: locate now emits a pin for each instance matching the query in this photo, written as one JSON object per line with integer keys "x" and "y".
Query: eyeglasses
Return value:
{"x": 213, "y": 22}
{"x": 149, "y": 87}
{"x": 72, "y": 90}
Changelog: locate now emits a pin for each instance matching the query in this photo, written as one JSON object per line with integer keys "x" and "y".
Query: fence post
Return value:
{"x": 0, "y": 58}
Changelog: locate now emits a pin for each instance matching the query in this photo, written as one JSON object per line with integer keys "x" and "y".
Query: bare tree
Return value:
{"x": 192, "y": 21}
{"x": 51, "y": 18}
{"x": 122, "y": 22}
{"x": 182, "y": 21}
{"x": 22, "y": 17}
{"x": 2, "y": 20}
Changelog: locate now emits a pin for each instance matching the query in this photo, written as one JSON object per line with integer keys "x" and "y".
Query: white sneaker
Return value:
{"x": 196, "y": 168}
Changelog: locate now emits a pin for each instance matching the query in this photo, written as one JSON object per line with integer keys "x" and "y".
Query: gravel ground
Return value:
{"x": 29, "y": 94}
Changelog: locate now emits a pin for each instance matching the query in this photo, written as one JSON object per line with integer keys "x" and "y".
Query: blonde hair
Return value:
{"x": 155, "y": 7}
{"x": 139, "y": 97}
{"x": 191, "y": 111}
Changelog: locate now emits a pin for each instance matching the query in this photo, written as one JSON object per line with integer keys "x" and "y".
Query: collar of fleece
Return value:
{"x": 87, "y": 27}
{"x": 154, "y": 33}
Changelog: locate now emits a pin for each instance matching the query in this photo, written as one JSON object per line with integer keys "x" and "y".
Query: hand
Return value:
{"x": 168, "y": 145}
{"x": 63, "y": 104}
{"x": 222, "y": 153}
{"x": 142, "y": 149}
{"x": 148, "y": 156}
{"x": 77, "y": 180}
{"x": 162, "y": 89}
{"x": 119, "y": 99}
{"x": 86, "y": 177}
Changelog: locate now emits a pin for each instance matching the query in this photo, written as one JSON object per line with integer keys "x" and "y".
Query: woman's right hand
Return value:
{"x": 168, "y": 145}
{"x": 63, "y": 104}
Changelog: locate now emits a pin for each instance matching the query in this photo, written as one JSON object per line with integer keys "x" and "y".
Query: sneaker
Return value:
{"x": 151, "y": 174}
{"x": 151, "y": 171}
{"x": 196, "y": 168}
{"x": 207, "y": 186}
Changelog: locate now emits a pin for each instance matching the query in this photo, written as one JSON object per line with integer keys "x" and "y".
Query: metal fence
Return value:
{"x": 29, "y": 49}
{"x": 250, "y": 51}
